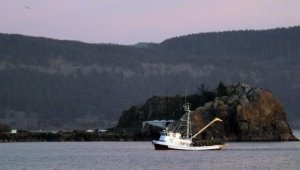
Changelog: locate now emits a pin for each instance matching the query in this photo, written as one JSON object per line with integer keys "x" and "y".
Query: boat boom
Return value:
{"x": 205, "y": 127}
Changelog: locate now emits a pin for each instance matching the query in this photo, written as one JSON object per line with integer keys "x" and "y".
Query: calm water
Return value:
{"x": 141, "y": 155}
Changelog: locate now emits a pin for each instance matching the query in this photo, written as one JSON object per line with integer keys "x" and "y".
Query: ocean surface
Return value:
{"x": 141, "y": 155}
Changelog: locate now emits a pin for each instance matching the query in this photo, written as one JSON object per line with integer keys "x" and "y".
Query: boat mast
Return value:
{"x": 188, "y": 122}
{"x": 187, "y": 110}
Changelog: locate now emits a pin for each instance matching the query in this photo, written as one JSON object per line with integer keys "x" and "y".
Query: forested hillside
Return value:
{"x": 54, "y": 84}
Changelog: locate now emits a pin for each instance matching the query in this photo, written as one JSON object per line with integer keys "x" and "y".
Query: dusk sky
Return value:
{"x": 132, "y": 21}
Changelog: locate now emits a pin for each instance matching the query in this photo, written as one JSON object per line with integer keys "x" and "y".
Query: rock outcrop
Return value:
{"x": 249, "y": 114}
{"x": 155, "y": 108}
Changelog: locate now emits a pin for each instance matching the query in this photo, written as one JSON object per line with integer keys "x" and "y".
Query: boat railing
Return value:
{"x": 208, "y": 142}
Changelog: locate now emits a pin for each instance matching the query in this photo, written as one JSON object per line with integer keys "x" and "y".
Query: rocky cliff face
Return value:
{"x": 248, "y": 114}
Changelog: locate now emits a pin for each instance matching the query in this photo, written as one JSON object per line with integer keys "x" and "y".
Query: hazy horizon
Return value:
{"x": 130, "y": 22}
{"x": 61, "y": 39}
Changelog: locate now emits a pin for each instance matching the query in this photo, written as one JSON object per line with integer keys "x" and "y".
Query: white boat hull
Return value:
{"x": 158, "y": 145}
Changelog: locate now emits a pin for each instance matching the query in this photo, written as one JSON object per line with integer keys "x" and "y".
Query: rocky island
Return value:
{"x": 248, "y": 114}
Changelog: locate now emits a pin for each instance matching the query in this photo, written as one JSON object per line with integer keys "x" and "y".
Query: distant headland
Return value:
{"x": 52, "y": 84}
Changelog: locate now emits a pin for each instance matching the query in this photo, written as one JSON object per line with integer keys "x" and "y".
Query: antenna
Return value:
{"x": 186, "y": 105}
{"x": 185, "y": 94}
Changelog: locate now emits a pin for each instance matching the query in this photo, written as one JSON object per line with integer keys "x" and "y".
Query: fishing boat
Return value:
{"x": 179, "y": 136}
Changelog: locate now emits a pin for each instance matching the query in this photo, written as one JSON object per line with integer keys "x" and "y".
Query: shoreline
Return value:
{"x": 98, "y": 137}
